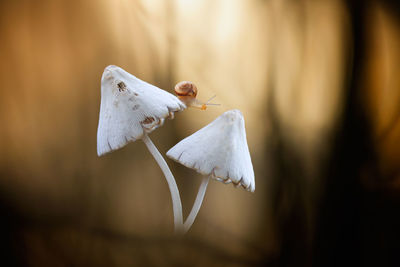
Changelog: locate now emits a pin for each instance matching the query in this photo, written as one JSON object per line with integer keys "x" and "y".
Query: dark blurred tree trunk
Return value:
{"x": 355, "y": 224}
{"x": 338, "y": 239}
{"x": 357, "y": 220}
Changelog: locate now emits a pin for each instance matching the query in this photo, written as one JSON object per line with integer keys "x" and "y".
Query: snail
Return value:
{"x": 187, "y": 92}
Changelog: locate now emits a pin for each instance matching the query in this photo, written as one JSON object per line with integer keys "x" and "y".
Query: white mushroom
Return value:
{"x": 130, "y": 109}
{"x": 220, "y": 151}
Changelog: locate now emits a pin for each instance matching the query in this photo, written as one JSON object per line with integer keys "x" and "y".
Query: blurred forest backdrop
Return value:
{"x": 317, "y": 81}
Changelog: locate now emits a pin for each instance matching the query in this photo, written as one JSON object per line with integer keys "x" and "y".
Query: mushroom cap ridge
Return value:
{"x": 130, "y": 108}
{"x": 220, "y": 150}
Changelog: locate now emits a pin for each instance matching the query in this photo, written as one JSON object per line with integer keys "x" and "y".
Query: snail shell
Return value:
{"x": 187, "y": 92}
{"x": 186, "y": 89}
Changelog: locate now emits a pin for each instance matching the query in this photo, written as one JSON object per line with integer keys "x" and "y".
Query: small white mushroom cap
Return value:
{"x": 219, "y": 150}
{"x": 130, "y": 108}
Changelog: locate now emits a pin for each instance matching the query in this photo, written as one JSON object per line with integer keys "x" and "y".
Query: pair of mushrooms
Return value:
{"x": 130, "y": 109}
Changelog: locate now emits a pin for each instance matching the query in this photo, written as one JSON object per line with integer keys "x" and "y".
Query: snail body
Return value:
{"x": 186, "y": 92}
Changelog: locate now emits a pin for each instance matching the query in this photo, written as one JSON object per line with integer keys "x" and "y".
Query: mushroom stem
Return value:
{"x": 173, "y": 188}
{"x": 197, "y": 204}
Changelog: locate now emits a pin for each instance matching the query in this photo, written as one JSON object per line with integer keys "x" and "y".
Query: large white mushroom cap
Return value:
{"x": 219, "y": 150}
{"x": 130, "y": 108}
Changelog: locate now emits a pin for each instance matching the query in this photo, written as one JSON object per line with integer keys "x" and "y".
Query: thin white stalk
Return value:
{"x": 173, "y": 188}
{"x": 197, "y": 204}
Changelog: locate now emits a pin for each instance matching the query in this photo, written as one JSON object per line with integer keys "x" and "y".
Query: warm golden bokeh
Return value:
{"x": 287, "y": 65}
{"x": 383, "y": 90}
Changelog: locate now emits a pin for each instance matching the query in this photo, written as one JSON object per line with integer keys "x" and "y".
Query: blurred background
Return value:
{"x": 318, "y": 83}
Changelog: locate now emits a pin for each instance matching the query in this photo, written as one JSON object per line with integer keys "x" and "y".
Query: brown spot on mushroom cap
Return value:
{"x": 147, "y": 120}
{"x": 121, "y": 86}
